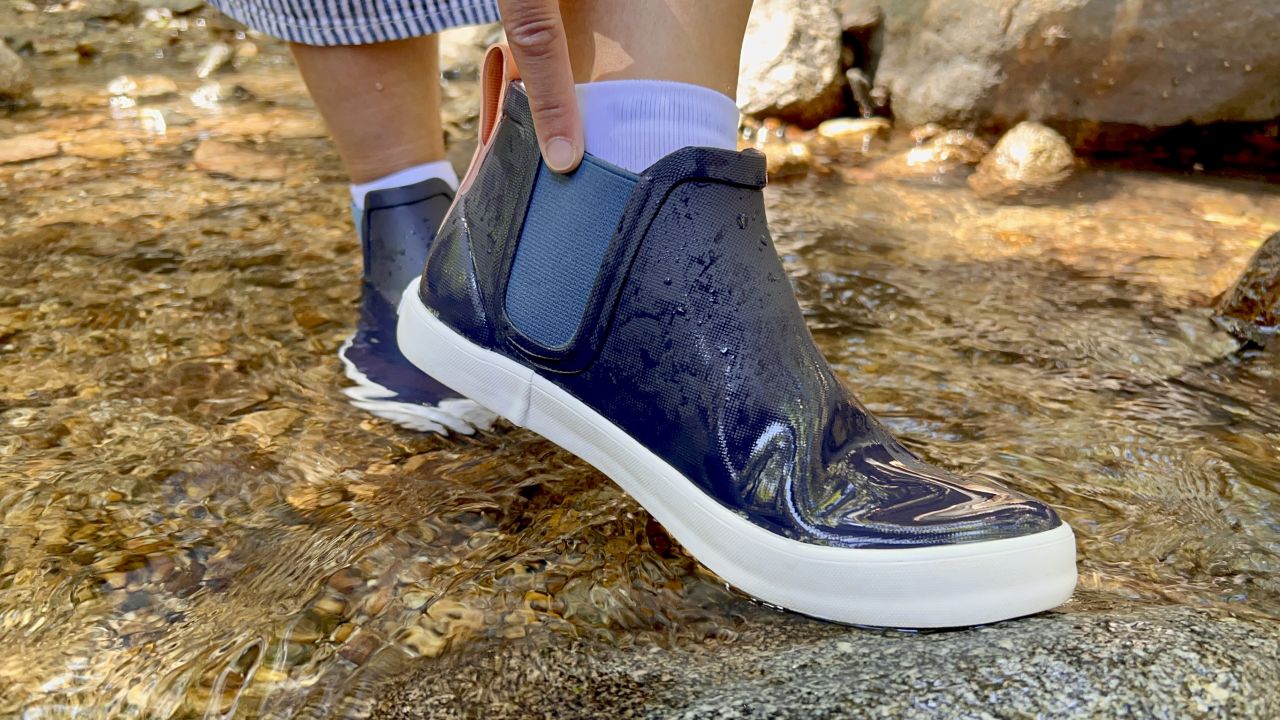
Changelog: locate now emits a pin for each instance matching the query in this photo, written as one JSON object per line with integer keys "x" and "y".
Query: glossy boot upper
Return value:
{"x": 687, "y": 335}
{"x": 397, "y": 226}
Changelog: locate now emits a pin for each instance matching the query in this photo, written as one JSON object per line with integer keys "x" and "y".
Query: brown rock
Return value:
{"x": 943, "y": 153}
{"x": 144, "y": 87}
{"x": 1250, "y": 310}
{"x": 26, "y": 147}
{"x": 786, "y": 160}
{"x": 15, "y": 79}
{"x": 1029, "y": 158}
{"x": 107, "y": 150}
{"x": 238, "y": 162}
{"x": 854, "y": 133}
{"x": 790, "y": 65}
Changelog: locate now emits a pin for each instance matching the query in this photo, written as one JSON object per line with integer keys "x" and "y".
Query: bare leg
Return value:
{"x": 689, "y": 42}
{"x": 380, "y": 101}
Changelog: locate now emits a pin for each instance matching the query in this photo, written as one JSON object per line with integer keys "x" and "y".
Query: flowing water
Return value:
{"x": 193, "y": 523}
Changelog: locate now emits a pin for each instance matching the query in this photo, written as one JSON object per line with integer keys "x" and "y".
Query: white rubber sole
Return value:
{"x": 459, "y": 415}
{"x": 944, "y": 586}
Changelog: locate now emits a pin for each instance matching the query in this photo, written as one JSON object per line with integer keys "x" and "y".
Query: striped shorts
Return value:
{"x": 356, "y": 22}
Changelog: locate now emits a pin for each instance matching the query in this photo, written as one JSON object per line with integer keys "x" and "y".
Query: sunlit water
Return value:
{"x": 193, "y": 522}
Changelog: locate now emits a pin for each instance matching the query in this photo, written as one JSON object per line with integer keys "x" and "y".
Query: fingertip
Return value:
{"x": 562, "y": 154}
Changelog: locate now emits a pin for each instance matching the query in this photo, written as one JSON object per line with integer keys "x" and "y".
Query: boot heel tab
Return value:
{"x": 499, "y": 71}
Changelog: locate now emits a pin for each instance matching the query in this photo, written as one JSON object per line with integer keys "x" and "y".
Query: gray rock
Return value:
{"x": 1155, "y": 64}
{"x": 791, "y": 62}
{"x": 15, "y": 78}
{"x": 1029, "y": 158}
{"x": 1095, "y": 660}
{"x": 1250, "y": 310}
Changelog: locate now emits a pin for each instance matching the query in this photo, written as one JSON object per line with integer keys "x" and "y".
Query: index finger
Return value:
{"x": 536, "y": 36}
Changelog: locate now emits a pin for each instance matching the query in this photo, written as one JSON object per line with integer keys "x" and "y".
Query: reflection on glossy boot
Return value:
{"x": 645, "y": 323}
{"x": 396, "y": 229}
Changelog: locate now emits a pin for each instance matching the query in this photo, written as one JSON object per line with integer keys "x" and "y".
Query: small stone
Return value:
{"x": 943, "y": 153}
{"x": 15, "y": 78}
{"x": 238, "y": 162}
{"x": 1029, "y": 158}
{"x": 268, "y": 423}
{"x": 218, "y": 55}
{"x": 854, "y": 133}
{"x": 244, "y": 52}
{"x": 27, "y": 147}
{"x": 145, "y": 87}
{"x": 786, "y": 160}
{"x": 176, "y": 7}
{"x": 117, "y": 10}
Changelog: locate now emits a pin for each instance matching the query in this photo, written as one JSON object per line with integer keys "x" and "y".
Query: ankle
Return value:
{"x": 440, "y": 169}
{"x": 633, "y": 123}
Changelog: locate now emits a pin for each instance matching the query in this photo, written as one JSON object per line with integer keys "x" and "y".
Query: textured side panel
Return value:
{"x": 567, "y": 228}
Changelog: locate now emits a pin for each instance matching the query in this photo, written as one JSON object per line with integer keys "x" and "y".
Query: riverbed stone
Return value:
{"x": 1030, "y": 158}
{"x": 1098, "y": 658}
{"x": 975, "y": 62}
{"x": 790, "y": 66}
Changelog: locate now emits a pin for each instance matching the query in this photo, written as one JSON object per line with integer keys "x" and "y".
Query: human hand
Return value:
{"x": 535, "y": 34}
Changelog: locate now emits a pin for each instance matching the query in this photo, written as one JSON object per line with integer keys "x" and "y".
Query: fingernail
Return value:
{"x": 559, "y": 154}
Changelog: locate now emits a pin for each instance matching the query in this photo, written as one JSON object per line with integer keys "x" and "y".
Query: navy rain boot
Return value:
{"x": 396, "y": 229}
{"x": 645, "y": 323}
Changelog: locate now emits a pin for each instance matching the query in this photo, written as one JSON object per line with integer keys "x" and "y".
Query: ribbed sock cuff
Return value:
{"x": 633, "y": 123}
{"x": 416, "y": 174}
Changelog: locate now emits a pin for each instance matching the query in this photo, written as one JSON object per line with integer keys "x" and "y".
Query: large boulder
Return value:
{"x": 790, "y": 65}
{"x": 1154, "y": 64}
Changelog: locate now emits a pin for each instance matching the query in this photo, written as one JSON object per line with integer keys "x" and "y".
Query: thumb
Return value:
{"x": 535, "y": 34}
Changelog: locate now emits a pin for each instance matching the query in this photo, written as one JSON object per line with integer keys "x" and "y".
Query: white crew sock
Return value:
{"x": 633, "y": 123}
{"x": 416, "y": 174}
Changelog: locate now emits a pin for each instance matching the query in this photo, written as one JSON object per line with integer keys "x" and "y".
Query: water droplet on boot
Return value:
{"x": 742, "y": 221}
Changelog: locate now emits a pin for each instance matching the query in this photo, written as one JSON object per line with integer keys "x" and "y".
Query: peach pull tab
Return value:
{"x": 498, "y": 71}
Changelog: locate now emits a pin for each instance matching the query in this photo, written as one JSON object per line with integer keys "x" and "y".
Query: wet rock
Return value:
{"x": 1029, "y": 158}
{"x": 143, "y": 87}
{"x": 967, "y": 62}
{"x": 117, "y": 10}
{"x": 855, "y": 134}
{"x": 15, "y": 79}
{"x": 218, "y": 55}
{"x": 1135, "y": 661}
{"x": 238, "y": 162}
{"x": 27, "y": 147}
{"x": 790, "y": 65}
{"x": 1250, "y": 310}
{"x": 786, "y": 160}
{"x": 940, "y": 153}
{"x": 177, "y": 7}
{"x": 96, "y": 150}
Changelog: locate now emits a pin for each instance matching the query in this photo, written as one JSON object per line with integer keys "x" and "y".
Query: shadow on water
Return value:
{"x": 193, "y": 521}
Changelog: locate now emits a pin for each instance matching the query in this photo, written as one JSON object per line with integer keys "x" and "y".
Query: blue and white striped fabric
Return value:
{"x": 356, "y": 22}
